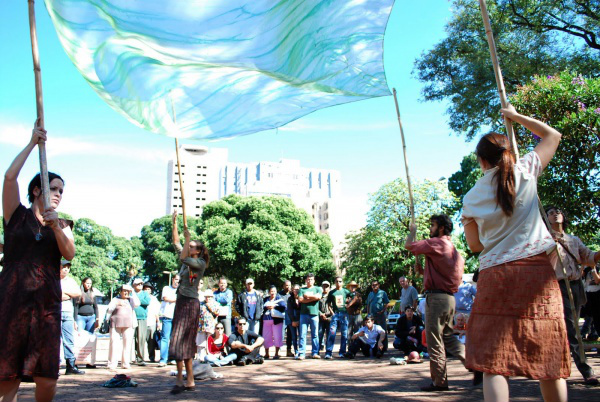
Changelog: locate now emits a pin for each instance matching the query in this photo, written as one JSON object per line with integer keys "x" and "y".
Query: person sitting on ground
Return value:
{"x": 216, "y": 348}
{"x": 408, "y": 332}
{"x": 245, "y": 344}
{"x": 460, "y": 328}
{"x": 369, "y": 339}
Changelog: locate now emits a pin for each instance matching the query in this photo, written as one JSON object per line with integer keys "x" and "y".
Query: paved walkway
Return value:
{"x": 310, "y": 380}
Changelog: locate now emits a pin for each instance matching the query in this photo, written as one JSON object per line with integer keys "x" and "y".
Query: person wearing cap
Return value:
{"x": 273, "y": 315}
{"x": 152, "y": 321}
{"x": 121, "y": 315}
{"x": 141, "y": 331}
{"x": 325, "y": 314}
{"x": 336, "y": 300}
{"x": 30, "y": 296}
{"x": 167, "y": 308}
{"x": 309, "y": 297}
{"x": 249, "y": 305}
{"x": 70, "y": 293}
{"x": 209, "y": 311}
{"x": 353, "y": 307}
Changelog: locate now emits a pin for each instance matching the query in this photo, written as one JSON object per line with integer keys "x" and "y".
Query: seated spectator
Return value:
{"x": 369, "y": 339}
{"x": 408, "y": 332}
{"x": 245, "y": 344}
{"x": 209, "y": 311}
{"x": 216, "y": 348}
{"x": 460, "y": 328}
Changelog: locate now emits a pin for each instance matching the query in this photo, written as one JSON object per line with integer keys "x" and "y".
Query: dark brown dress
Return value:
{"x": 30, "y": 299}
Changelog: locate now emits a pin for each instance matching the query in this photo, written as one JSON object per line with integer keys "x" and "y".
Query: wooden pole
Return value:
{"x": 185, "y": 226}
{"x": 513, "y": 143}
{"x": 37, "y": 72}
{"x": 410, "y": 193}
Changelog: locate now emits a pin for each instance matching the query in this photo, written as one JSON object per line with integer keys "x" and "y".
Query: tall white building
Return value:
{"x": 208, "y": 176}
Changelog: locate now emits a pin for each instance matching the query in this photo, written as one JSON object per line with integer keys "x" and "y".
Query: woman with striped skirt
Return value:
{"x": 182, "y": 346}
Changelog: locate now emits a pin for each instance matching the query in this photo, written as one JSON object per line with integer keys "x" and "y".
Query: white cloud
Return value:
{"x": 18, "y": 135}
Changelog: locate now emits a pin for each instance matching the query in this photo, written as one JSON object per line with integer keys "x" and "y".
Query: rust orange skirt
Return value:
{"x": 517, "y": 327}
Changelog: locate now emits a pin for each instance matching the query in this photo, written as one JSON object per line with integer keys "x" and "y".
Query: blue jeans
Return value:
{"x": 253, "y": 325}
{"x": 305, "y": 321}
{"x": 165, "y": 337}
{"x": 86, "y": 322}
{"x": 68, "y": 337}
{"x": 340, "y": 319}
{"x": 223, "y": 361}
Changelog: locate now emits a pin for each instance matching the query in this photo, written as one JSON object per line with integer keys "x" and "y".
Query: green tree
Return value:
{"x": 571, "y": 104}
{"x": 532, "y": 37}
{"x": 377, "y": 251}
{"x": 266, "y": 238}
{"x": 463, "y": 180}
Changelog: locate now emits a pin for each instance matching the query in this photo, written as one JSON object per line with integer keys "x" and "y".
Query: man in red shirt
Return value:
{"x": 444, "y": 268}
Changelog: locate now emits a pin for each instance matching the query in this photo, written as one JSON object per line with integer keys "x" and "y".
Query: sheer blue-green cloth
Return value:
{"x": 229, "y": 67}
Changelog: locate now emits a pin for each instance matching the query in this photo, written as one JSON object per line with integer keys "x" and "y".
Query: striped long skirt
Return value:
{"x": 185, "y": 327}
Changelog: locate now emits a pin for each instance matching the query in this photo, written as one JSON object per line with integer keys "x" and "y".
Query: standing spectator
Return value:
{"x": 167, "y": 308}
{"x": 354, "y": 307}
{"x": 336, "y": 300}
{"x": 141, "y": 312}
{"x": 152, "y": 320}
{"x": 285, "y": 294}
{"x": 70, "y": 292}
{"x": 592, "y": 291}
{"x": 30, "y": 294}
{"x": 369, "y": 339}
{"x": 122, "y": 320}
{"x": 408, "y": 295}
{"x": 292, "y": 314}
{"x": 224, "y": 297}
{"x": 377, "y": 302}
{"x": 465, "y": 297}
{"x": 182, "y": 346}
{"x": 216, "y": 350}
{"x": 250, "y": 306}
{"x": 86, "y": 308}
{"x": 245, "y": 344}
{"x": 408, "y": 332}
{"x": 574, "y": 255}
{"x": 444, "y": 268}
{"x": 273, "y": 316}
{"x": 325, "y": 314}
{"x": 502, "y": 221}
{"x": 309, "y": 297}
{"x": 209, "y": 311}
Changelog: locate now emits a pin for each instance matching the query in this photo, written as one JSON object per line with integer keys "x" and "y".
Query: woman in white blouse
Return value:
{"x": 122, "y": 323}
{"x": 516, "y": 327}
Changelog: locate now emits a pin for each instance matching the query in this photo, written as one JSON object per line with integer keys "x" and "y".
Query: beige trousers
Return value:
{"x": 439, "y": 324}
{"x": 121, "y": 340}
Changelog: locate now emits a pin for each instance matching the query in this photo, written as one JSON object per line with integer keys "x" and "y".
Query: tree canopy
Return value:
{"x": 377, "y": 250}
{"x": 532, "y": 38}
{"x": 266, "y": 238}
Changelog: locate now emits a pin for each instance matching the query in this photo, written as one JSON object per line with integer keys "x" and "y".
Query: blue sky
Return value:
{"x": 115, "y": 172}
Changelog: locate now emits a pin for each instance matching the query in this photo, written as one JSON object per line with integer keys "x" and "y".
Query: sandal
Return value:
{"x": 178, "y": 389}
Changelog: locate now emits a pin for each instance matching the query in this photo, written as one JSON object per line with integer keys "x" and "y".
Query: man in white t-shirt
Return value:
{"x": 70, "y": 291}
{"x": 167, "y": 308}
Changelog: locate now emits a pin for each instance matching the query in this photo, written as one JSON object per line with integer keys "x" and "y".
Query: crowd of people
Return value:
{"x": 520, "y": 319}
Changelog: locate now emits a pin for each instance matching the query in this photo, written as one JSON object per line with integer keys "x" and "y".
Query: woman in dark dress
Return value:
{"x": 182, "y": 346}
{"x": 30, "y": 292}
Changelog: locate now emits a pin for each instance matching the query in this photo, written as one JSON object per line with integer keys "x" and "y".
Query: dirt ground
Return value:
{"x": 316, "y": 380}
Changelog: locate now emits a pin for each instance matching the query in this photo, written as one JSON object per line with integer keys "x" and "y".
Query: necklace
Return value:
{"x": 38, "y": 236}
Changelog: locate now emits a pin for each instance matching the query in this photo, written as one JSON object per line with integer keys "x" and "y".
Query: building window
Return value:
{"x": 204, "y": 199}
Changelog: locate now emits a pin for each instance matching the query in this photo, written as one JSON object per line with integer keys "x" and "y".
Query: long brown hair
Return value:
{"x": 494, "y": 148}
{"x": 203, "y": 251}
